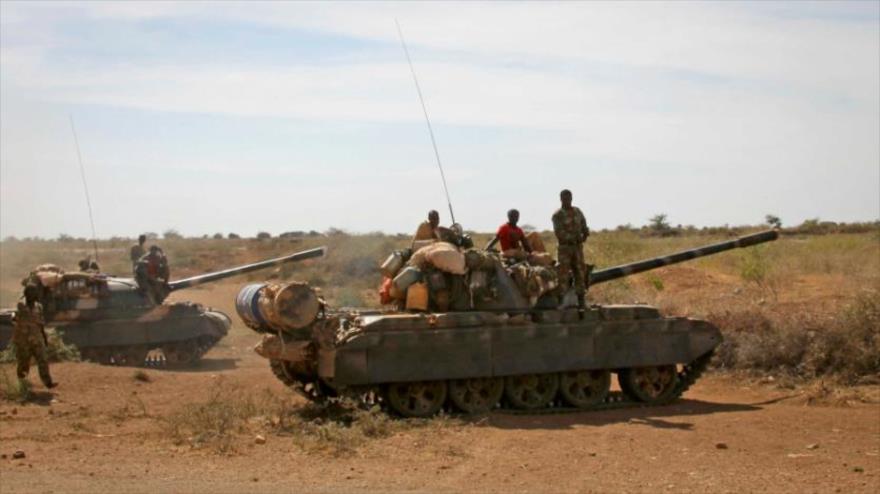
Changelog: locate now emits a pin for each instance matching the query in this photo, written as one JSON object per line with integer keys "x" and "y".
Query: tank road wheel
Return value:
{"x": 649, "y": 384}
{"x": 475, "y": 396}
{"x": 584, "y": 389}
{"x": 417, "y": 399}
{"x": 531, "y": 391}
{"x": 180, "y": 353}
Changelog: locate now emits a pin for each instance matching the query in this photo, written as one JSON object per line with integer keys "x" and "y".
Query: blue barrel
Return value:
{"x": 246, "y": 304}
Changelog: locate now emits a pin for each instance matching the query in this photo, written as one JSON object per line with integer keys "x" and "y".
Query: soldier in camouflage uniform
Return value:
{"x": 29, "y": 338}
{"x": 137, "y": 251}
{"x": 571, "y": 231}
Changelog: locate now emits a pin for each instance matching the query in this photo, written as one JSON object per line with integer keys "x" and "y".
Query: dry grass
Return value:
{"x": 14, "y": 389}
{"x": 57, "y": 351}
{"x": 806, "y": 345}
{"x": 782, "y": 305}
{"x": 232, "y": 416}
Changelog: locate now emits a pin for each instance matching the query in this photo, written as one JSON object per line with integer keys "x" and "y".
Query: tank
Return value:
{"x": 519, "y": 350}
{"x": 111, "y": 320}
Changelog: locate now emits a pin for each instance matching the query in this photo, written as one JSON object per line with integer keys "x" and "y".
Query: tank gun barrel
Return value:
{"x": 247, "y": 268}
{"x": 616, "y": 272}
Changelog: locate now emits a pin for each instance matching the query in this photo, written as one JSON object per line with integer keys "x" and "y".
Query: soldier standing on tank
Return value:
{"x": 571, "y": 231}
{"x": 137, "y": 251}
{"x": 152, "y": 273}
{"x": 29, "y": 337}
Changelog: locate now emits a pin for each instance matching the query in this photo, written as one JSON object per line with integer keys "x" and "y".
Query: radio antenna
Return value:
{"x": 427, "y": 120}
{"x": 82, "y": 173}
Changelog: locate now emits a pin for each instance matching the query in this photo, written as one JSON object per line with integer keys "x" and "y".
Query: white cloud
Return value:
{"x": 670, "y": 96}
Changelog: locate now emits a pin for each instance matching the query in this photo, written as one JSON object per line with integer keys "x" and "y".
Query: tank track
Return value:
{"x": 615, "y": 400}
{"x": 173, "y": 354}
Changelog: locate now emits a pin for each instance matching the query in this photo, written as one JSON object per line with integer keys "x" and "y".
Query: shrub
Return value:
{"x": 14, "y": 389}
{"x": 846, "y": 345}
{"x": 57, "y": 351}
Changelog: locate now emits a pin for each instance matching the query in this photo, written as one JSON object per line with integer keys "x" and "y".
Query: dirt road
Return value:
{"x": 103, "y": 430}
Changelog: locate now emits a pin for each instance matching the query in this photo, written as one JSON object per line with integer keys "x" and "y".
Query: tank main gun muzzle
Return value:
{"x": 247, "y": 268}
{"x": 616, "y": 272}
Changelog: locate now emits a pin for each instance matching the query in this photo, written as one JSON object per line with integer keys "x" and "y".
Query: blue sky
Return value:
{"x": 296, "y": 116}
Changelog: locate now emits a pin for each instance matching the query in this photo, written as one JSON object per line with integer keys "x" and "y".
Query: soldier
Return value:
{"x": 87, "y": 265}
{"x": 428, "y": 230}
{"x": 137, "y": 251}
{"x": 571, "y": 231}
{"x": 513, "y": 240}
{"x": 29, "y": 337}
{"x": 152, "y": 274}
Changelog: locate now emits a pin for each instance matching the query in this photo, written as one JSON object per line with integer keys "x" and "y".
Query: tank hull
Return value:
{"x": 443, "y": 346}
{"x": 185, "y": 330}
{"x": 385, "y": 351}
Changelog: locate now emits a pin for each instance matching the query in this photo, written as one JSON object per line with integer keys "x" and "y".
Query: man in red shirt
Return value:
{"x": 513, "y": 241}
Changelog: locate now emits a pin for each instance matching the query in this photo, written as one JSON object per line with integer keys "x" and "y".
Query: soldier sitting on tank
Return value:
{"x": 87, "y": 265}
{"x": 152, "y": 274}
{"x": 137, "y": 251}
{"x": 428, "y": 229}
{"x": 431, "y": 231}
{"x": 514, "y": 245}
{"x": 29, "y": 337}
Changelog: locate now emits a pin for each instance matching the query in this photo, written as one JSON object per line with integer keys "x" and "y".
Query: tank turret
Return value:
{"x": 113, "y": 320}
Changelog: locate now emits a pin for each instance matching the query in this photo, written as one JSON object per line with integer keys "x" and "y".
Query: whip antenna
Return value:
{"x": 82, "y": 173}
{"x": 428, "y": 120}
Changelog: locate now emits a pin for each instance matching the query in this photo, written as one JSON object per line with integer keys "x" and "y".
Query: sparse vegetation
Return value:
{"x": 231, "y": 416}
{"x": 845, "y": 345}
{"x": 13, "y": 388}
{"x": 57, "y": 351}
{"x": 778, "y": 286}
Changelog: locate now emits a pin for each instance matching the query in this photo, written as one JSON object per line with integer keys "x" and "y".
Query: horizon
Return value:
{"x": 207, "y": 117}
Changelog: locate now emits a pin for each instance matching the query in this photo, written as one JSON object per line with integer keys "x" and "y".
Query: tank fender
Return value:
{"x": 274, "y": 348}
{"x": 221, "y": 321}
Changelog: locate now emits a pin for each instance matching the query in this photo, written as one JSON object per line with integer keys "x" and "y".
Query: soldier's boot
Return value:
{"x": 47, "y": 381}
{"x": 45, "y": 376}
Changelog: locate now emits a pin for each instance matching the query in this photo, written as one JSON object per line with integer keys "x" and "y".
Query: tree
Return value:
{"x": 658, "y": 223}
{"x": 218, "y": 236}
{"x": 773, "y": 220}
{"x": 263, "y": 235}
{"x": 233, "y": 236}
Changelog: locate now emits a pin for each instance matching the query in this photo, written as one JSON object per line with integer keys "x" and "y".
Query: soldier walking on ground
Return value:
{"x": 571, "y": 231}
{"x": 137, "y": 251}
{"x": 29, "y": 337}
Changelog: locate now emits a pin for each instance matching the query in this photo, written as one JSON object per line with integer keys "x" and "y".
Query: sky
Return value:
{"x": 225, "y": 117}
